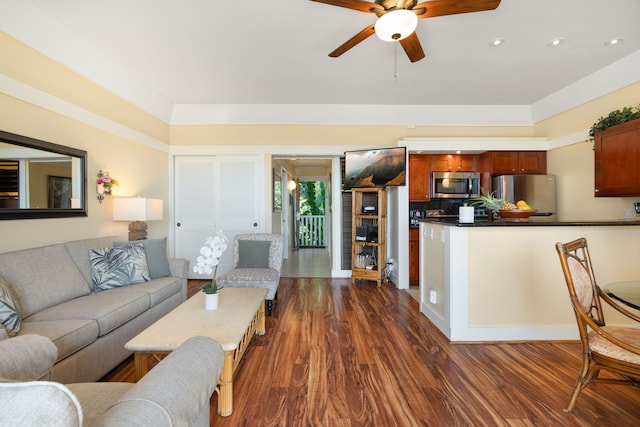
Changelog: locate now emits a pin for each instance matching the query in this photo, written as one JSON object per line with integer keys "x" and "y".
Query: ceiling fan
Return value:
{"x": 398, "y": 19}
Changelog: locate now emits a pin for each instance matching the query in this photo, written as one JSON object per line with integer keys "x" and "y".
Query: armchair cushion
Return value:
{"x": 629, "y": 335}
{"x": 253, "y": 253}
{"x": 252, "y": 278}
{"x": 39, "y": 403}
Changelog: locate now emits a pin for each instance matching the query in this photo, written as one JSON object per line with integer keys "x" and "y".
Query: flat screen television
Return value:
{"x": 378, "y": 167}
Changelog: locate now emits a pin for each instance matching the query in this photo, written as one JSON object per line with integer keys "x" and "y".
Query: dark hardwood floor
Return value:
{"x": 341, "y": 355}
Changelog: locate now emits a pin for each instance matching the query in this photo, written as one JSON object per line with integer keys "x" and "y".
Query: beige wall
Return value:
{"x": 139, "y": 169}
{"x": 326, "y": 135}
{"x": 583, "y": 116}
{"x": 574, "y": 167}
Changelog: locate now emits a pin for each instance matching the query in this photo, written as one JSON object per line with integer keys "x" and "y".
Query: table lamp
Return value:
{"x": 138, "y": 210}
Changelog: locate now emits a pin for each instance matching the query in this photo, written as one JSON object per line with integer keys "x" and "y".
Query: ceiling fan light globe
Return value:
{"x": 396, "y": 25}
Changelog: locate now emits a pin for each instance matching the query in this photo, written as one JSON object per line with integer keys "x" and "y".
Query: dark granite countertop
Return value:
{"x": 530, "y": 223}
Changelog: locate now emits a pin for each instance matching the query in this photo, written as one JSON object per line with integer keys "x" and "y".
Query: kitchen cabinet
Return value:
{"x": 414, "y": 257}
{"x": 517, "y": 162}
{"x": 419, "y": 177}
{"x": 617, "y": 160}
{"x": 454, "y": 163}
{"x": 369, "y": 231}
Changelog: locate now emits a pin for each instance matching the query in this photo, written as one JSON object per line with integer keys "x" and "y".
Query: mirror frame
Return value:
{"x": 25, "y": 141}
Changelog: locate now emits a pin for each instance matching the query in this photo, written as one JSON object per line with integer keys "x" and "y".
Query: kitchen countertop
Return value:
{"x": 499, "y": 223}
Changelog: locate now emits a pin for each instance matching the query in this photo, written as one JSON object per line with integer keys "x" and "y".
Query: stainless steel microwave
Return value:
{"x": 455, "y": 185}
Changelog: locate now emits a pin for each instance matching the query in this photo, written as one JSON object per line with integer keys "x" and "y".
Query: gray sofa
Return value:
{"x": 174, "y": 393}
{"x": 54, "y": 289}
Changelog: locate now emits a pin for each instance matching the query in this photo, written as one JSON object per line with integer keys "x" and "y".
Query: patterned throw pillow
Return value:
{"x": 9, "y": 309}
{"x": 119, "y": 266}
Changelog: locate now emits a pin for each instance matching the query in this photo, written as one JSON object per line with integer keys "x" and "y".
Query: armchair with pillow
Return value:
{"x": 176, "y": 392}
{"x": 257, "y": 261}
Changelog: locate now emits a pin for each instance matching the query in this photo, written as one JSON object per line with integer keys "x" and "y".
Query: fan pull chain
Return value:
{"x": 395, "y": 61}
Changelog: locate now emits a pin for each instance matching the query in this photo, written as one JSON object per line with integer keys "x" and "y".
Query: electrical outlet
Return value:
{"x": 433, "y": 296}
{"x": 428, "y": 233}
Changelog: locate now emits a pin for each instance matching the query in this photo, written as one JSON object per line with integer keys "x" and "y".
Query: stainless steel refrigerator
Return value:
{"x": 539, "y": 191}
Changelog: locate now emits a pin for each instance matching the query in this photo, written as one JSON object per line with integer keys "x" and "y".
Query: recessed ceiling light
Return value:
{"x": 555, "y": 42}
{"x": 496, "y": 42}
{"x": 613, "y": 42}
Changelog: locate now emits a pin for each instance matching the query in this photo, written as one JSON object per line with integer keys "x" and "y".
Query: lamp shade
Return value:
{"x": 396, "y": 25}
{"x": 136, "y": 209}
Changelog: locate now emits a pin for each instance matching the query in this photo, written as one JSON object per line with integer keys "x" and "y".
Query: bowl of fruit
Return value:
{"x": 508, "y": 212}
{"x": 519, "y": 212}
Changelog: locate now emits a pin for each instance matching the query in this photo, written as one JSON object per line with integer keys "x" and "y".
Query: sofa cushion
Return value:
{"x": 9, "y": 310}
{"x": 110, "y": 309}
{"x": 68, "y": 335}
{"x": 118, "y": 266}
{"x": 96, "y": 398}
{"x": 79, "y": 252}
{"x": 156, "y": 251}
{"x": 253, "y": 253}
{"x": 161, "y": 289}
{"x": 42, "y": 277}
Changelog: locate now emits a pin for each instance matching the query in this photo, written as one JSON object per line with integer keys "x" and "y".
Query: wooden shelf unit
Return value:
{"x": 373, "y": 242}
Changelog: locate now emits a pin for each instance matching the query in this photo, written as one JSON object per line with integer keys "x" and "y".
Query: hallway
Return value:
{"x": 307, "y": 262}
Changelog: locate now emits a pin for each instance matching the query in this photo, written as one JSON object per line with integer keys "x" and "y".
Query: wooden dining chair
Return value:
{"x": 612, "y": 348}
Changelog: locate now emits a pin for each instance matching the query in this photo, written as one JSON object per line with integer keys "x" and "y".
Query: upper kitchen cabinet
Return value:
{"x": 516, "y": 162}
{"x": 617, "y": 160}
{"x": 454, "y": 163}
{"x": 419, "y": 174}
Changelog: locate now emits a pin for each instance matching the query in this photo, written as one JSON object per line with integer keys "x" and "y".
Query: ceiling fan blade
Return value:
{"x": 359, "y": 5}
{"x": 435, "y": 8}
{"x": 412, "y": 47}
{"x": 353, "y": 41}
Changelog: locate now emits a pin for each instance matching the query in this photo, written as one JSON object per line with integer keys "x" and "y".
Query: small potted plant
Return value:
{"x": 207, "y": 263}
{"x": 489, "y": 201}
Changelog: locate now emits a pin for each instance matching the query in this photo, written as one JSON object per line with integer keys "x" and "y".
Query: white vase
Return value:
{"x": 210, "y": 301}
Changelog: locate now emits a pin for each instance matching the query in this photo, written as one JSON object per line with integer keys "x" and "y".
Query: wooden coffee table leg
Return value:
{"x": 225, "y": 390}
{"x": 140, "y": 360}
{"x": 262, "y": 328}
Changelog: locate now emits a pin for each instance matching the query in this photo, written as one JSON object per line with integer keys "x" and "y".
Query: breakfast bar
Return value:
{"x": 498, "y": 281}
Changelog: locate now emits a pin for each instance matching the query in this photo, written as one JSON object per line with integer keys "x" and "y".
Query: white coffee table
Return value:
{"x": 239, "y": 316}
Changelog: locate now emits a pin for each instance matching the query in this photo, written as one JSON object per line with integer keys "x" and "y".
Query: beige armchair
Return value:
{"x": 257, "y": 262}
{"x": 176, "y": 392}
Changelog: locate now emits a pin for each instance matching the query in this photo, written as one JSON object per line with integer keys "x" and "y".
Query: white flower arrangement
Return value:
{"x": 207, "y": 262}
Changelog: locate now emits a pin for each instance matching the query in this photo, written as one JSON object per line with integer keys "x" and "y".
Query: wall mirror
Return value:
{"x": 40, "y": 179}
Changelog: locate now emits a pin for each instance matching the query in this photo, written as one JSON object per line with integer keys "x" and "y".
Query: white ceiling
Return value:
{"x": 259, "y": 52}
